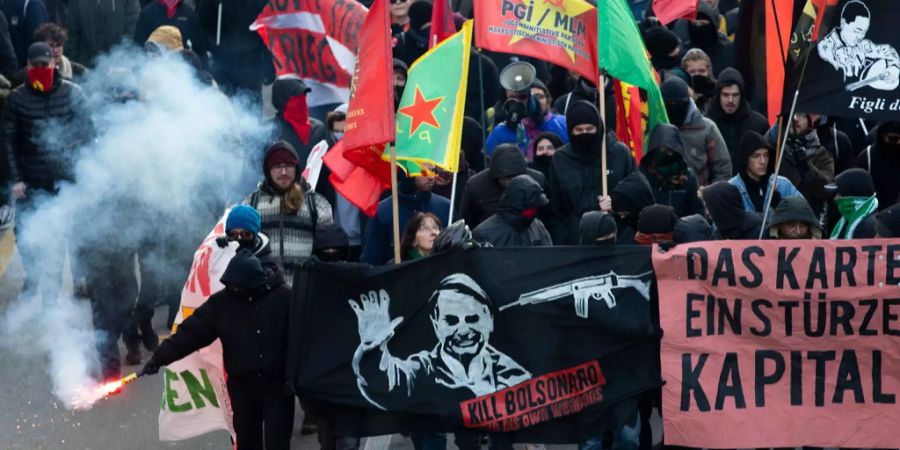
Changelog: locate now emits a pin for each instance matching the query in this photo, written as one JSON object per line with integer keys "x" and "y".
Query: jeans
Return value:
{"x": 628, "y": 438}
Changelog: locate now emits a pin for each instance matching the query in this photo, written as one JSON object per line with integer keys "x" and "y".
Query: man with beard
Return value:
{"x": 794, "y": 219}
{"x": 732, "y": 113}
{"x": 705, "y": 151}
{"x": 463, "y": 363}
{"x": 576, "y": 169}
{"x": 806, "y": 162}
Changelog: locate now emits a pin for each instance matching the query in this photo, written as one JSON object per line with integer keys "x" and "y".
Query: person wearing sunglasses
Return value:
{"x": 242, "y": 226}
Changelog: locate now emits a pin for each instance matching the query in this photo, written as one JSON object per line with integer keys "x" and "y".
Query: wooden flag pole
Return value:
{"x": 602, "y": 88}
{"x": 394, "y": 204}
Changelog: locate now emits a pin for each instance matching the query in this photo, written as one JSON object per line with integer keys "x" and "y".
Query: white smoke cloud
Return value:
{"x": 160, "y": 167}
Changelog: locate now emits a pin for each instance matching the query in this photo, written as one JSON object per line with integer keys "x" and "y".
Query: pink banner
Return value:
{"x": 780, "y": 343}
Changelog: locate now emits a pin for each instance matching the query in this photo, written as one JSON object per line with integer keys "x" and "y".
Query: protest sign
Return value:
{"x": 556, "y": 350}
{"x": 780, "y": 344}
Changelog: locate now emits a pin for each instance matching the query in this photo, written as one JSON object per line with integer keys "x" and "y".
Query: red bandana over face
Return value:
{"x": 171, "y": 6}
{"x": 296, "y": 113}
{"x": 40, "y": 78}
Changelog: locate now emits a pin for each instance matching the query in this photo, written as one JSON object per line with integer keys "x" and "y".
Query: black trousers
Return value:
{"x": 263, "y": 413}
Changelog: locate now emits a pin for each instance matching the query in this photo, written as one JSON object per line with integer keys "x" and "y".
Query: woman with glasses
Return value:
{"x": 418, "y": 237}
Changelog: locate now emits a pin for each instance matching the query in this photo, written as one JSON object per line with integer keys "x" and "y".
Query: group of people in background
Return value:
{"x": 531, "y": 179}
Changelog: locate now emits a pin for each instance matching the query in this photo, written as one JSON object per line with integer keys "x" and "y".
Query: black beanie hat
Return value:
{"x": 246, "y": 272}
{"x": 622, "y": 203}
{"x": 674, "y": 89}
{"x": 657, "y": 219}
{"x": 854, "y": 183}
{"x": 582, "y": 112}
{"x": 660, "y": 41}
{"x": 419, "y": 14}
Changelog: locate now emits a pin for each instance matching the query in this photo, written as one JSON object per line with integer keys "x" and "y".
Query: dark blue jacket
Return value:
{"x": 378, "y": 245}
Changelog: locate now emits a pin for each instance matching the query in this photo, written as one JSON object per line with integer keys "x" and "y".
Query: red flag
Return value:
{"x": 821, "y": 7}
{"x": 315, "y": 40}
{"x": 442, "y": 24}
{"x": 630, "y": 129}
{"x": 356, "y": 183}
{"x": 667, "y": 11}
{"x": 563, "y": 32}
{"x": 370, "y": 113}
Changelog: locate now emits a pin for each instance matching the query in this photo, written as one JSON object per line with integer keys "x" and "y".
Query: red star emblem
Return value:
{"x": 421, "y": 111}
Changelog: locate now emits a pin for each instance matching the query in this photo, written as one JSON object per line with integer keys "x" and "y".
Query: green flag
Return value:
{"x": 430, "y": 116}
{"x": 623, "y": 55}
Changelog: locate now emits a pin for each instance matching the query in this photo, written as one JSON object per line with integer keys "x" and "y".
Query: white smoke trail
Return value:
{"x": 159, "y": 167}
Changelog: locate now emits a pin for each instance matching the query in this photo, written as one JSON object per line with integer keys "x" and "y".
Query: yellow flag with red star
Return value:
{"x": 430, "y": 116}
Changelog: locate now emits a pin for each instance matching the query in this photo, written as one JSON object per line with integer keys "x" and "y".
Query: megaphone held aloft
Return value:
{"x": 517, "y": 76}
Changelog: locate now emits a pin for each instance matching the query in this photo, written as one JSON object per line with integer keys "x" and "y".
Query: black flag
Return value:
{"x": 550, "y": 344}
{"x": 853, "y": 68}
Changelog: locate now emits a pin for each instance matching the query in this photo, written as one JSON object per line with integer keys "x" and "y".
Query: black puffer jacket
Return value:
{"x": 678, "y": 191}
{"x": 733, "y": 127}
{"x": 482, "y": 194}
{"x": 253, "y": 329}
{"x": 726, "y": 208}
{"x": 509, "y": 227}
{"x": 25, "y": 114}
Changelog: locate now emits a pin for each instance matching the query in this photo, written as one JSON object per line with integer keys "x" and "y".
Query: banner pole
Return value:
{"x": 219, "y": 26}
{"x": 483, "y": 109}
{"x": 790, "y": 118}
{"x": 603, "y": 179}
{"x": 452, "y": 200}
{"x": 394, "y": 204}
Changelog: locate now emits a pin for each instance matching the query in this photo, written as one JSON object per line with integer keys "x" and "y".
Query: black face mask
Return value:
{"x": 332, "y": 254}
{"x": 703, "y": 85}
{"x": 585, "y": 142}
{"x": 678, "y": 112}
{"x": 665, "y": 62}
{"x": 542, "y": 160}
{"x": 247, "y": 244}
{"x": 704, "y": 37}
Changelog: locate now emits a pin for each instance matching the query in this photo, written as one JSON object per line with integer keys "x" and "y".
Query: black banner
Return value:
{"x": 550, "y": 344}
{"x": 853, "y": 68}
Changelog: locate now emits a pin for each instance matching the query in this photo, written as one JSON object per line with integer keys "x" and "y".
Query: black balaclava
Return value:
{"x": 660, "y": 43}
{"x": 706, "y": 36}
{"x": 595, "y": 226}
{"x": 579, "y": 113}
{"x": 891, "y": 151}
{"x": 678, "y": 100}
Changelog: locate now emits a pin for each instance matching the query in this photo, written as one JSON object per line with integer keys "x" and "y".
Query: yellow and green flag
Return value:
{"x": 430, "y": 116}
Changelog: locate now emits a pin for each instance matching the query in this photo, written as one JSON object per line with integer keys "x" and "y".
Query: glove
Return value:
{"x": 222, "y": 241}
{"x": 151, "y": 368}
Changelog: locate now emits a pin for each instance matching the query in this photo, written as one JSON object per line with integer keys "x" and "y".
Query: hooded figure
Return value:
{"x": 656, "y": 223}
{"x": 705, "y": 151}
{"x": 629, "y": 198}
{"x": 663, "y": 46}
{"x": 597, "y": 228}
{"x": 250, "y": 316}
{"x": 694, "y": 228}
{"x": 289, "y": 214}
{"x": 587, "y": 91}
{"x": 791, "y": 216}
{"x": 755, "y": 152}
{"x": 733, "y": 115}
{"x": 481, "y": 197}
{"x": 887, "y": 222}
{"x": 726, "y": 209}
{"x": 292, "y": 121}
{"x": 576, "y": 170}
{"x": 515, "y": 224}
{"x": 673, "y": 182}
{"x": 413, "y": 43}
{"x": 857, "y": 203}
{"x": 704, "y": 34}
{"x": 882, "y": 160}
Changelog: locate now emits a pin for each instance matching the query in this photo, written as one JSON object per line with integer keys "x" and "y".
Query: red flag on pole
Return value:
{"x": 668, "y": 11}
{"x": 442, "y": 24}
{"x": 357, "y": 183}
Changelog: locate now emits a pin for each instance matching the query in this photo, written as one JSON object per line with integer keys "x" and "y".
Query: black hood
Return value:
{"x": 521, "y": 193}
{"x": 632, "y": 194}
{"x": 707, "y": 36}
{"x": 282, "y": 144}
{"x": 285, "y": 89}
{"x": 730, "y": 77}
{"x": 246, "y": 272}
{"x": 665, "y": 135}
{"x": 791, "y": 209}
{"x": 751, "y": 142}
{"x": 693, "y": 228}
{"x": 507, "y": 161}
{"x": 595, "y": 225}
{"x": 330, "y": 236}
{"x": 583, "y": 112}
{"x": 726, "y": 208}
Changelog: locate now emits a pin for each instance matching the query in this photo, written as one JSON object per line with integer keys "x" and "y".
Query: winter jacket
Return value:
{"x": 78, "y": 71}
{"x": 733, "y": 127}
{"x": 575, "y": 183}
{"x": 154, "y": 16}
{"x": 839, "y": 146}
{"x": 9, "y": 62}
{"x": 705, "y": 151}
{"x": 96, "y": 26}
{"x": 752, "y": 142}
{"x": 378, "y": 245}
{"x": 811, "y": 173}
{"x": 290, "y": 235}
{"x": 682, "y": 197}
{"x": 503, "y": 134}
{"x": 481, "y": 196}
{"x": 784, "y": 188}
{"x": 241, "y": 60}
{"x": 24, "y": 17}
{"x": 253, "y": 330}
{"x": 726, "y": 208}
{"x": 508, "y": 227}
{"x": 25, "y": 113}
{"x": 883, "y": 163}
{"x": 637, "y": 191}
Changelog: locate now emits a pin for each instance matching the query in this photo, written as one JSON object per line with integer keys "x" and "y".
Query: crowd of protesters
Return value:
{"x": 530, "y": 173}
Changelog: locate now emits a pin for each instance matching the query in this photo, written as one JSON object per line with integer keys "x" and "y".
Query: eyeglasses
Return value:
{"x": 426, "y": 227}
{"x": 394, "y": 2}
{"x": 283, "y": 167}
{"x": 240, "y": 235}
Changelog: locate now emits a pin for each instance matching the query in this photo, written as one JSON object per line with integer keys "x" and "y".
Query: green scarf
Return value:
{"x": 853, "y": 210}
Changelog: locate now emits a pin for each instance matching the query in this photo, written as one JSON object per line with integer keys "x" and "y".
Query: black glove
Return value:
{"x": 151, "y": 368}
{"x": 222, "y": 241}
